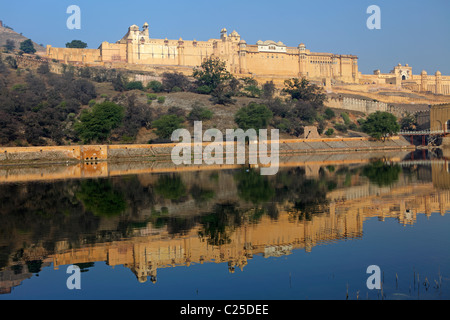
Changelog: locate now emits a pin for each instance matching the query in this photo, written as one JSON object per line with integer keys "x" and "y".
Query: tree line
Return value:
{"x": 43, "y": 108}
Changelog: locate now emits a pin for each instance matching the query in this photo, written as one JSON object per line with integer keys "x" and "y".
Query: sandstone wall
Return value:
{"x": 94, "y": 154}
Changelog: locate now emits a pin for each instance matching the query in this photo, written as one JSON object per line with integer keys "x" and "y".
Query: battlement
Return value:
{"x": 266, "y": 59}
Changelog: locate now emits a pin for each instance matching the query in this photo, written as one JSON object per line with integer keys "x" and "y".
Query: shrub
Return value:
{"x": 119, "y": 83}
{"x": 155, "y": 86}
{"x": 329, "y": 114}
{"x": 161, "y": 99}
{"x": 341, "y": 127}
{"x": 199, "y": 113}
{"x": 27, "y": 46}
{"x": 204, "y": 90}
{"x": 346, "y": 118}
{"x": 172, "y": 80}
{"x": 43, "y": 69}
{"x": 329, "y": 132}
{"x": 268, "y": 90}
{"x": 152, "y": 96}
{"x": 167, "y": 124}
{"x": 254, "y": 116}
{"x": 134, "y": 85}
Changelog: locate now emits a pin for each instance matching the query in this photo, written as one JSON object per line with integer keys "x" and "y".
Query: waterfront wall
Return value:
{"x": 113, "y": 153}
{"x": 358, "y": 105}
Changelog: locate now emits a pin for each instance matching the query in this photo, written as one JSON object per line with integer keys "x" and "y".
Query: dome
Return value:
{"x": 224, "y": 30}
{"x": 438, "y": 73}
{"x": 134, "y": 28}
{"x": 424, "y": 72}
{"x": 242, "y": 42}
{"x": 235, "y": 34}
{"x": 259, "y": 42}
{"x": 146, "y": 24}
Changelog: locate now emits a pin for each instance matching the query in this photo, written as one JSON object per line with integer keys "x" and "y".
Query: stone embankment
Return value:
{"x": 117, "y": 153}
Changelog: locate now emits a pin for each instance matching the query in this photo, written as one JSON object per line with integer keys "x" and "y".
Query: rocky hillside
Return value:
{"x": 9, "y": 34}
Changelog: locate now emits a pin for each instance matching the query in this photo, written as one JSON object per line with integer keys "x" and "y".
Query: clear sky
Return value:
{"x": 412, "y": 31}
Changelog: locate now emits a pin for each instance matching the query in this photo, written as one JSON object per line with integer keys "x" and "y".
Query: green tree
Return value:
{"x": 199, "y": 113}
{"x": 268, "y": 90}
{"x": 10, "y": 45}
{"x": 78, "y": 44}
{"x": 119, "y": 83}
{"x": 408, "y": 123}
{"x": 254, "y": 116}
{"x": 27, "y": 47}
{"x": 381, "y": 125}
{"x": 155, "y": 86}
{"x": 167, "y": 124}
{"x": 212, "y": 73}
{"x": 329, "y": 114}
{"x": 96, "y": 125}
{"x": 304, "y": 90}
{"x": 135, "y": 85}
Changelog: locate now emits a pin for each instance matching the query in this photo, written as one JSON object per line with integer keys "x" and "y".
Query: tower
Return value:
{"x": 424, "y": 82}
{"x": 302, "y": 60}
{"x": 145, "y": 32}
{"x": 223, "y": 34}
{"x": 243, "y": 56}
{"x": 438, "y": 82}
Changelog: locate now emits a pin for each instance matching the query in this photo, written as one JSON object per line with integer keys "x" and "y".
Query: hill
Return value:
{"x": 9, "y": 34}
{"x": 44, "y": 102}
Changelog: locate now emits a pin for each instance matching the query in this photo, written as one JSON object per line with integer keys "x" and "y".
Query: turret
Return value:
{"x": 223, "y": 34}
{"x": 302, "y": 60}
{"x": 145, "y": 32}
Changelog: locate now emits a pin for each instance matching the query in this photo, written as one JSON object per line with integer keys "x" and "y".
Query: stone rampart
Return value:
{"x": 114, "y": 153}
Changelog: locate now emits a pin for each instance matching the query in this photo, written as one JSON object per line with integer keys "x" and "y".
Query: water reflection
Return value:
{"x": 147, "y": 222}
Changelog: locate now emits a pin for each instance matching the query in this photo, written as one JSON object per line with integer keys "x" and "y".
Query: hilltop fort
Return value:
{"x": 264, "y": 61}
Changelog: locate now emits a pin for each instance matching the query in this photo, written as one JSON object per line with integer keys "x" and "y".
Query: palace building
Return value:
{"x": 264, "y": 61}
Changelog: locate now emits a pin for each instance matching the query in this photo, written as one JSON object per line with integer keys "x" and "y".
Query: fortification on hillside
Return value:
{"x": 403, "y": 76}
{"x": 264, "y": 59}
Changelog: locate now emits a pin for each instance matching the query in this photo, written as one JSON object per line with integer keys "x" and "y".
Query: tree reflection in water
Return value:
{"x": 100, "y": 198}
{"x": 381, "y": 173}
{"x": 77, "y": 211}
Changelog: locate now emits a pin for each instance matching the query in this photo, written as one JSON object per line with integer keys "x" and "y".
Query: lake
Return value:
{"x": 309, "y": 232}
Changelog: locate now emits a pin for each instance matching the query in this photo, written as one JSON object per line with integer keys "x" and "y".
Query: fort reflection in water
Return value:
{"x": 207, "y": 215}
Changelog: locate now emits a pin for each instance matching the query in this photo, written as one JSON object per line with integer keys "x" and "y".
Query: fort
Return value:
{"x": 265, "y": 58}
{"x": 265, "y": 61}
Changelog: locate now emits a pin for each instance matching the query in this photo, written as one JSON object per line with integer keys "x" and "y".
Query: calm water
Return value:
{"x": 310, "y": 232}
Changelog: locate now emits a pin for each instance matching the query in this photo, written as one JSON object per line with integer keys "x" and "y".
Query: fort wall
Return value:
{"x": 88, "y": 153}
{"x": 266, "y": 59}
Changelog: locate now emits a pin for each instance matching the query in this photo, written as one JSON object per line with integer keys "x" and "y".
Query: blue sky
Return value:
{"x": 412, "y": 31}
